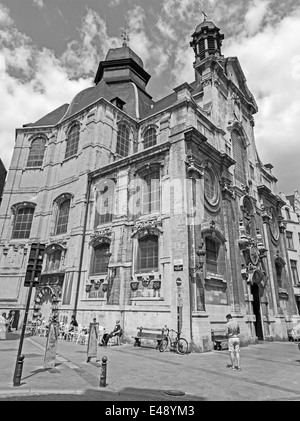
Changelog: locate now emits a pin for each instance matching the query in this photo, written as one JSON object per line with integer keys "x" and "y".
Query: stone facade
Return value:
{"x": 155, "y": 213}
{"x": 290, "y": 212}
{"x": 3, "y": 173}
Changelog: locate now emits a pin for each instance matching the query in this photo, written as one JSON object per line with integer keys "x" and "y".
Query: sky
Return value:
{"x": 50, "y": 50}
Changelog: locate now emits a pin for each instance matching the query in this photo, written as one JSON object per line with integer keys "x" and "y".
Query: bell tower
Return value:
{"x": 207, "y": 41}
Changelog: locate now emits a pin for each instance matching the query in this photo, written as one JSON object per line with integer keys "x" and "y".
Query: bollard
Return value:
{"x": 103, "y": 372}
{"x": 19, "y": 368}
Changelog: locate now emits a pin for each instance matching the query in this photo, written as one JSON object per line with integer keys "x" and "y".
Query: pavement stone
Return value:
{"x": 270, "y": 372}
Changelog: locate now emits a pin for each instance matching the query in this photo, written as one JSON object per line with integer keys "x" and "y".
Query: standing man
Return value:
{"x": 232, "y": 330}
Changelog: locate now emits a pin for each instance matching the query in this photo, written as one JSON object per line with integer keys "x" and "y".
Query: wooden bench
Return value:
{"x": 150, "y": 334}
{"x": 219, "y": 339}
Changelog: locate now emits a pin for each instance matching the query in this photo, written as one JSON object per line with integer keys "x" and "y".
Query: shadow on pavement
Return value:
{"x": 127, "y": 394}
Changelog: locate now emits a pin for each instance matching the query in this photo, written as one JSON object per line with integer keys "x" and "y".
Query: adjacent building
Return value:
{"x": 154, "y": 212}
{"x": 291, "y": 214}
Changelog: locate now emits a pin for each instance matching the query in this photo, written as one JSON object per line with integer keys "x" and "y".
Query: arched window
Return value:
{"x": 239, "y": 155}
{"x": 148, "y": 253}
{"x": 212, "y": 251}
{"x": 62, "y": 217}
{"x": 72, "y": 141}
{"x": 100, "y": 259}
{"x": 104, "y": 202}
{"x": 23, "y": 222}
{"x": 36, "y": 153}
{"x": 122, "y": 147}
{"x": 150, "y": 138}
{"x": 151, "y": 193}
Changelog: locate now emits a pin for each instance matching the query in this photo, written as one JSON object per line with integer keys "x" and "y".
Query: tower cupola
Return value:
{"x": 207, "y": 41}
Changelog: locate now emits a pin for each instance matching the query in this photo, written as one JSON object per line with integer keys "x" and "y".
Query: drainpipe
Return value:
{"x": 88, "y": 193}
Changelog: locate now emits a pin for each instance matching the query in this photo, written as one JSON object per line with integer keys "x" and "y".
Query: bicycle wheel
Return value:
{"x": 182, "y": 346}
{"x": 163, "y": 344}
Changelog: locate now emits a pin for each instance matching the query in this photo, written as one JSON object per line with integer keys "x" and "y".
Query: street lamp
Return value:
{"x": 201, "y": 254}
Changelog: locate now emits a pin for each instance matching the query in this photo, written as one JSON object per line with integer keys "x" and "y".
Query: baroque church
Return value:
{"x": 152, "y": 212}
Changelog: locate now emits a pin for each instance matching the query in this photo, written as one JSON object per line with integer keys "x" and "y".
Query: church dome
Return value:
{"x": 205, "y": 24}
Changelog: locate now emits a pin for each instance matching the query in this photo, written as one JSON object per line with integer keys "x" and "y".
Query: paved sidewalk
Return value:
{"x": 270, "y": 371}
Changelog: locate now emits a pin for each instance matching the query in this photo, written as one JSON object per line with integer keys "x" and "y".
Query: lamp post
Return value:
{"x": 201, "y": 254}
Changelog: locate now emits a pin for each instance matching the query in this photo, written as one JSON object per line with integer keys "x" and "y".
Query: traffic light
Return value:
{"x": 35, "y": 262}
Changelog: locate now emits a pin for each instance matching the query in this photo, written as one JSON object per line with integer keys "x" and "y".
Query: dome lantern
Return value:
{"x": 207, "y": 40}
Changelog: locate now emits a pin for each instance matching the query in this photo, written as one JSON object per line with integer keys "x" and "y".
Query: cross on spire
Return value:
{"x": 125, "y": 36}
{"x": 204, "y": 16}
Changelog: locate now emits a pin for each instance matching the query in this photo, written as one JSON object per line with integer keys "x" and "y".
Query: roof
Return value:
{"x": 87, "y": 97}
{"x": 123, "y": 52}
{"x": 206, "y": 24}
{"x": 50, "y": 119}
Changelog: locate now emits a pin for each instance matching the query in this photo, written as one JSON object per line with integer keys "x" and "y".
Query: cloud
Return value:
{"x": 255, "y": 16}
{"x": 38, "y": 3}
{"x": 271, "y": 63}
{"x": 82, "y": 56}
{"x": 32, "y": 83}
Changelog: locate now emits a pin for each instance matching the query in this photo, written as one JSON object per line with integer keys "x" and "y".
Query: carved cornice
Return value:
{"x": 148, "y": 226}
{"x": 101, "y": 233}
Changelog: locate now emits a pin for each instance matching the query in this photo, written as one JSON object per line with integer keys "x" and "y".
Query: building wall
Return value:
{"x": 191, "y": 143}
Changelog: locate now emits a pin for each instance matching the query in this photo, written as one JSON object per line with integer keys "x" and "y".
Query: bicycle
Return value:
{"x": 180, "y": 345}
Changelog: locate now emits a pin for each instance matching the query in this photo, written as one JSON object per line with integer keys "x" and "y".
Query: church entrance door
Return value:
{"x": 256, "y": 310}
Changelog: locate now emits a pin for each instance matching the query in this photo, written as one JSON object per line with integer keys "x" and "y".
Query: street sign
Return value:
{"x": 178, "y": 264}
{"x": 50, "y": 353}
{"x": 92, "y": 341}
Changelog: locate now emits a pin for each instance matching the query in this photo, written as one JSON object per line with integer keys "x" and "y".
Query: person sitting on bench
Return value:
{"x": 117, "y": 331}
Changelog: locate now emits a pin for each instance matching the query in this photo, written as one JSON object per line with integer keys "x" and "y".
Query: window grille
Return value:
{"x": 211, "y": 248}
{"x": 36, "y": 154}
{"x": 23, "y": 222}
{"x": 72, "y": 142}
{"x": 151, "y": 193}
{"x": 148, "y": 253}
{"x": 62, "y": 217}
{"x": 100, "y": 259}
{"x": 150, "y": 138}
{"x": 122, "y": 147}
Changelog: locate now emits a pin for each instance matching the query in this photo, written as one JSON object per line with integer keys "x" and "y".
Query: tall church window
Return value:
{"x": 148, "y": 253}
{"x": 211, "y": 248}
{"x": 151, "y": 193}
{"x": 23, "y": 221}
{"x": 100, "y": 258}
{"x": 62, "y": 217}
{"x": 36, "y": 153}
{"x": 150, "y": 138}
{"x": 122, "y": 147}
{"x": 72, "y": 141}
{"x": 239, "y": 155}
{"x": 104, "y": 202}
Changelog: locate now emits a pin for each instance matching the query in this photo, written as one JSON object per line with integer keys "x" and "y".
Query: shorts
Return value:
{"x": 234, "y": 344}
